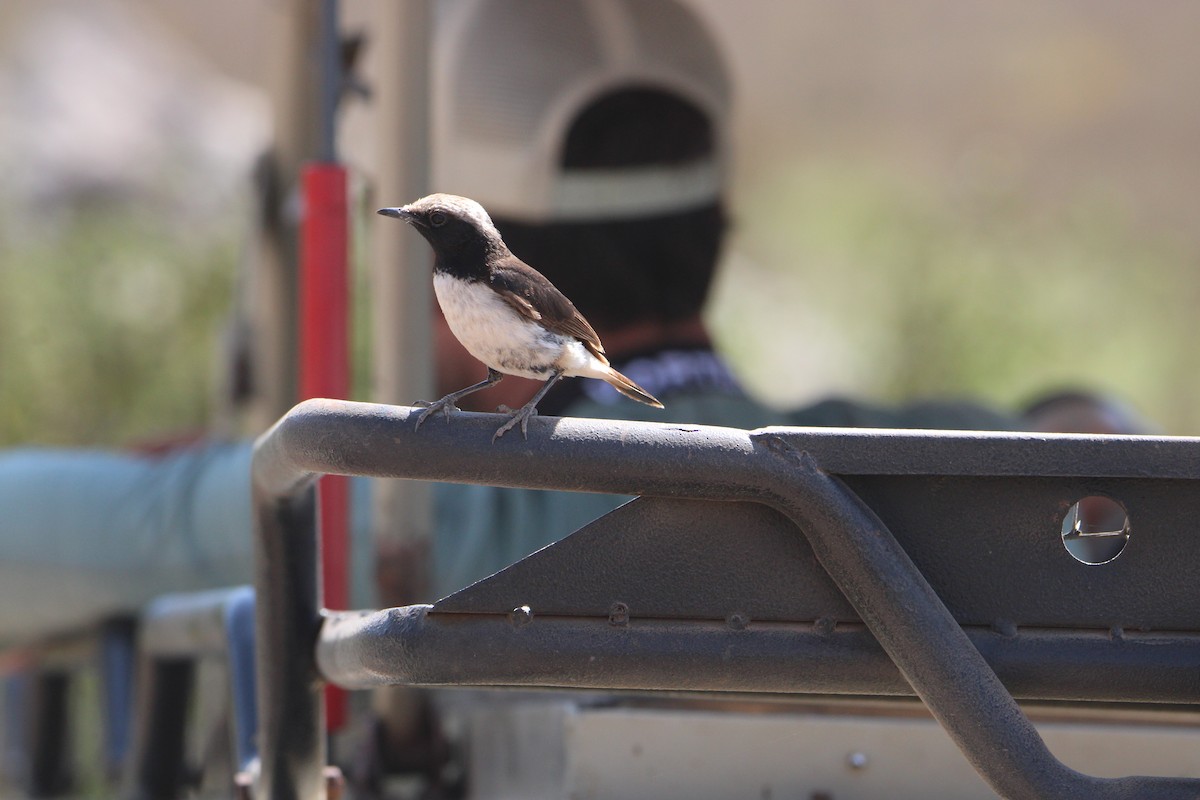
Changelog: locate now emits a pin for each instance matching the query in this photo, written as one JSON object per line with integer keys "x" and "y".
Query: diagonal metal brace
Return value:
{"x": 928, "y": 645}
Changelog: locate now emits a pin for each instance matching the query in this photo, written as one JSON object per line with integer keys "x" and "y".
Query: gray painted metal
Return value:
{"x": 291, "y": 710}
{"x": 990, "y": 547}
{"x": 795, "y": 472}
{"x": 332, "y": 81}
{"x": 420, "y": 646}
{"x": 175, "y": 631}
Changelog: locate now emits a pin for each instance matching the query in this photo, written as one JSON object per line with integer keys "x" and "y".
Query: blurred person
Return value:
{"x": 601, "y": 153}
{"x": 938, "y": 414}
{"x": 599, "y": 142}
{"x": 596, "y": 136}
{"x": 1082, "y": 411}
{"x": 90, "y": 534}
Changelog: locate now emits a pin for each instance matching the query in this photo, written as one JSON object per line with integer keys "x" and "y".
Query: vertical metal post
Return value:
{"x": 402, "y": 366}
{"x": 159, "y": 769}
{"x": 48, "y": 735}
{"x": 325, "y": 307}
{"x": 325, "y": 360}
{"x": 331, "y": 81}
{"x": 291, "y": 714}
{"x": 239, "y": 632}
{"x": 117, "y": 653}
{"x": 291, "y": 86}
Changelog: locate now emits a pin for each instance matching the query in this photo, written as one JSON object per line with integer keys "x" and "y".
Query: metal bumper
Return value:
{"x": 915, "y": 641}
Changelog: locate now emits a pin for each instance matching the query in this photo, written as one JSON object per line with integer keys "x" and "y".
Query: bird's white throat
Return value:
{"x": 492, "y": 331}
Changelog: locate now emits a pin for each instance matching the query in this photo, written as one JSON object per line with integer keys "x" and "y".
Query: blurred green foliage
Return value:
{"x": 109, "y": 321}
{"x": 884, "y": 289}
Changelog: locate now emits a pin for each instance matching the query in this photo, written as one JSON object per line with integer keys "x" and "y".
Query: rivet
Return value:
{"x": 1004, "y": 627}
{"x": 618, "y": 614}
{"x": 737, "y": 621}
{"x": 520, "y": 616}
{"x": 857, "y": 760}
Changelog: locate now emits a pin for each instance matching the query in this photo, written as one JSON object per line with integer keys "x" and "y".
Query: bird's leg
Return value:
{"x": 526, "y": 411}
{"x": 446, "y": 404}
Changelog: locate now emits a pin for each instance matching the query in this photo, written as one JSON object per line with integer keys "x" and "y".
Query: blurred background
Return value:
{"x": 932, "y": 199}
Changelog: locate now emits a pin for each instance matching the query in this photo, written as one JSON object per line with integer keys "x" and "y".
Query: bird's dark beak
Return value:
{"x": 414, "y": 218}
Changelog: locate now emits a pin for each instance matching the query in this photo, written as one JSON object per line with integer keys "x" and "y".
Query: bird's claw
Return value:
{"x": 446, "y": 405}
{"x": 521, "y": 415}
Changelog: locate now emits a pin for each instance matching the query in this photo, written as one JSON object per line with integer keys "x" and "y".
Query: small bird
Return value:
{"x": 503, "y": 311}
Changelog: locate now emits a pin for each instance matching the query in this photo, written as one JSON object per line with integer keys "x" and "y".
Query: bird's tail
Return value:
{"x": 631, "y": 389}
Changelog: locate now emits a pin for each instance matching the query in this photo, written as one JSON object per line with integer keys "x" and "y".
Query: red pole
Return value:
{"x": 325, "y": 365}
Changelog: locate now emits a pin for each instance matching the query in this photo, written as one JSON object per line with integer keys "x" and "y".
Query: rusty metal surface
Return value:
{"x": 809, "y": 476}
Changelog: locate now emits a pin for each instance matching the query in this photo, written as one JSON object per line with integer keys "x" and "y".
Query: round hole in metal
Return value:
{"x": 1095, "y": 530}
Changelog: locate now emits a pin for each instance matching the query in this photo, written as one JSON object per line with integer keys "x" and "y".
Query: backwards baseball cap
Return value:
{"x": 512, "y": 76}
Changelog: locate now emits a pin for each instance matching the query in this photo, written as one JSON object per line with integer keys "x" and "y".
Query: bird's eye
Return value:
{"x": 437, "y": 219}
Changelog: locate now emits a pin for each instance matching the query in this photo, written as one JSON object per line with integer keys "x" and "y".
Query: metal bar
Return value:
{"x": 331, "y": 80}
{"x": 325, "y": 357}
{"x": 187, "y": 625}
{"x": 214, "y": 624}
{"x": 330, "y": 436}
{"x": 401, "y": 296}
{"x": 420, "y": 646}
{"x": 291, "y": 713}
{"x": 319, "y": 436}
{"x": 48, "y": 737}
{"x": 787, "y": 469}
{"x": 158, "y": 768}
{"x": 117, "y": 653}
{"x": 239, "y": 633}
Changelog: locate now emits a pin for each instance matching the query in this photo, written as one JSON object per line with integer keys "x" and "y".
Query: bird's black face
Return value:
{"x": 455, "y": 227}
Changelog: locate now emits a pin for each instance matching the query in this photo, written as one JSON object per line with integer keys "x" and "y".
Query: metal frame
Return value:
{"x": 40, "y": 677}
{"x": 804, "y": 474}
{"x": 175, "y": 632}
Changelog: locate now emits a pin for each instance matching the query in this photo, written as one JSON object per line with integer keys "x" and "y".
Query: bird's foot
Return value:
{"x": 521, "y": 415}
{"x": 445, "y": 405}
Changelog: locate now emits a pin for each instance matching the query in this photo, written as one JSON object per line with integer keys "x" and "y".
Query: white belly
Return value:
{"x": 493, "y": 332}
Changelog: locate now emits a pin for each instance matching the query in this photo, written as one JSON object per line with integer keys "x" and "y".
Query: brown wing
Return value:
{"x": 535, "y": 297}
